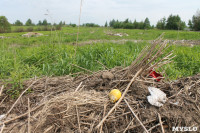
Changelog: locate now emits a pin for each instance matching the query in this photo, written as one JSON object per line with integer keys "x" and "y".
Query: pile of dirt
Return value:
{"x": 117, "y": 34}
{"x": 81, "y": 104}
{"x": 32, "y": 34}
{"x": 110, "y": 33}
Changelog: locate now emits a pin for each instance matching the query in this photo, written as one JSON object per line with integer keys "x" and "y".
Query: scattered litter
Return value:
{"x": 157, "y": 97}
{"x": 2, "y": 116}
{"x": 3, "y": 37}
{"x": 115, "y": 95}
{"x": 118, "y": 34}
{"x": 155, "y": 75}
{"x": 32, "y": 34}
{"x": 176, "y": 103}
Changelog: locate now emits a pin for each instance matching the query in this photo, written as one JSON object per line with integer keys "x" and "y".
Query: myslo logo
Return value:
{"x": 183, "y": 129}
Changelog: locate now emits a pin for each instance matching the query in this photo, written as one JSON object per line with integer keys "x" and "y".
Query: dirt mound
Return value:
{"x": 81, "y": 104}
{"x": 32, "y": 34}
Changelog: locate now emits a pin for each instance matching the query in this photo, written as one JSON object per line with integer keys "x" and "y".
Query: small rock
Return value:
{"x": 107, "y": 75}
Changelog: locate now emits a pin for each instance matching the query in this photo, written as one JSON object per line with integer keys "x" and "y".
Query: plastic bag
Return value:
{"x": 157, "y": 97}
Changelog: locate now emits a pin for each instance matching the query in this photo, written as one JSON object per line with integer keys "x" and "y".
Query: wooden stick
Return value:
{"x": 104, "y": 112}
{"x": 29, "y": 116}
{"x": 20, "y": 116}
{"x": 48, "y": 129}
{"x": 1, "y": 91}
{"x": 102, "y": 65}
{"x": 78, "y": 87}
{"x": 20, "y": 97}
{"x": 2, "y": 128}
{"x": 128, "y": 126}
{"x": 136, "y": 116}
{"x": 82, "y": 68}
{"x": 79, "y": 126}
{"x": 118, "y": 102}
{"x": 3, "y": 100}
{"x": 153, "y": 127}
{"x": 159, "y": 117}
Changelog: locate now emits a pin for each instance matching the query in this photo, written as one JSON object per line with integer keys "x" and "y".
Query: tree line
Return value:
{"x": 128, "y": 24}
{"x": 5, "y": 26}
{"x": 29, "y": 22}
{"x": 173, "y": 22}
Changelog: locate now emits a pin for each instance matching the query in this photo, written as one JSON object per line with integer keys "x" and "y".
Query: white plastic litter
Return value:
{"x": 157, "y": 97}
{"x": 2, "y": 116}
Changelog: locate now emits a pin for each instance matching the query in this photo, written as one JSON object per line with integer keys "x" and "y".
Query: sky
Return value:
{"x": 96, "y": 11}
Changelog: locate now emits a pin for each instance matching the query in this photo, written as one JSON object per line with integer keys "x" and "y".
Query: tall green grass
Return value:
{"x": 57, "y": 59}
{"x": 22, "y": 58}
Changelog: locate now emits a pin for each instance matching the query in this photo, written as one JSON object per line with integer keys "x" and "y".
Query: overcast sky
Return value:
{"x": 96, "y": 11}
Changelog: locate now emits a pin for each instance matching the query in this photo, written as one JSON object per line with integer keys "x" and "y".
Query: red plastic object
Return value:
{"x": 155, "y": 75}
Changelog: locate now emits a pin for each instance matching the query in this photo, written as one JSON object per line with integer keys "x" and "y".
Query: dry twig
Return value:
{"x": 1, "y": 91}
{"x": 104, "y": 112}
{"x": 78, "y": 87}
{"x": 118, "y": 102}
{"x": 2, "y": 128}
{"x": 159, "y": 117}
{"x": 102, "y": 65}
{"x": 29, "y": 116}
{"x": 128, "y": 125}
{"x": 82, "y": 68}
{"x": 136, "y": 116}
{"x": 78, "y": 119}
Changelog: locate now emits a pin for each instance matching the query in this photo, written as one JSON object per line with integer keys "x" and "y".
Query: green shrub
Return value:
{"x": 29, "y": 29}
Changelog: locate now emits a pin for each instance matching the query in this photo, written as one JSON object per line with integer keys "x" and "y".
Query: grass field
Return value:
{"x": 51, "y": 54}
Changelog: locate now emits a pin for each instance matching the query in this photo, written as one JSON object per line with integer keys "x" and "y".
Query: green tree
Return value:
{"x": 112, "y": 22}
{"x": 196, "y": 21}
{"x": 44, "y": 22}
{"x": 135, "y": 25}
{"x": 161, "y": 24}
{"x": 141, "y": 25}
{"x": 4, "y": 25}
{"x": 29, "y": 22}
{"x": 39, "y": 22}
{"x": 60, "y": 23}
{"x": 147, "y": 23}
{"x": 190, "y": 24}
{"x": 18, "y": 23}
{"x": 106, "y": 24}
{"x": 174, "y": 23}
